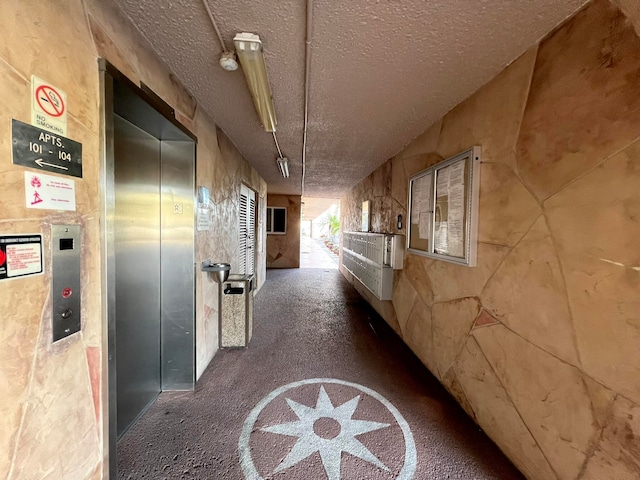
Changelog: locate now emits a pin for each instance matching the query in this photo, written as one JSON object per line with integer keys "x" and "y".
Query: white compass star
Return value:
{"x": 330, "y": 449}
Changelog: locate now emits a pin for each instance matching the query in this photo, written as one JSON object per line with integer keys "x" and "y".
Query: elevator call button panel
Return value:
{"x": 65, "y": 280}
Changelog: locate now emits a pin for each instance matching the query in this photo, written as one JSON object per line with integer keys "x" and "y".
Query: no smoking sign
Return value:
{"x": 48, "y": 106}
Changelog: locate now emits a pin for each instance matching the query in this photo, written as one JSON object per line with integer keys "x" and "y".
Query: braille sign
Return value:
{"x": 43, "y": 150}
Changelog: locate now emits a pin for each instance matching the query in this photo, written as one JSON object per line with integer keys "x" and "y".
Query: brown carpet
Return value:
{"x": 325, "y": 390}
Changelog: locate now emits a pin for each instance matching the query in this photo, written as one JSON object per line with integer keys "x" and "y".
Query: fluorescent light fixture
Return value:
{"x": 249, "y": 51}
{"x": 283, "y": 166}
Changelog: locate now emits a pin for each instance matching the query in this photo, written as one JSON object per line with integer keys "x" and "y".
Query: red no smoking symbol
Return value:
{"x": 49, "y": 100}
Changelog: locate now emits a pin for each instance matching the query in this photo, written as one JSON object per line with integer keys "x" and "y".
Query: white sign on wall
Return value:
{"x": 48, "y": 107}
{"x": 49, "y": 192}
{"x": 20, "y": 255}
{"x": 203, "y": 217}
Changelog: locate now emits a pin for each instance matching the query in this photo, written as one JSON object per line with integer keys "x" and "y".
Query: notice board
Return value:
{"x": 443, "y": 209}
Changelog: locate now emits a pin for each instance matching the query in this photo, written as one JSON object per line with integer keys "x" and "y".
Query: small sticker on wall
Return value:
{"x": 49, "y": 192}
{"x": 20, "y": 255}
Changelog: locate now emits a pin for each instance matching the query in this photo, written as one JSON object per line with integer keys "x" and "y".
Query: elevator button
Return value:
{"x": 66, "y": 314}
{"x": 66, "y": 293}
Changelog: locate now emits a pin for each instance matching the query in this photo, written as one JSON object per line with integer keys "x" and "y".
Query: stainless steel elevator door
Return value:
{"x": 137, "y": 270}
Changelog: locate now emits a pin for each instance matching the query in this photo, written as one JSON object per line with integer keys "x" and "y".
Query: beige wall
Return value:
{"x": 540, "y": 343}
{"x": 52, "y": 394}
{"x": 283, "y": 251}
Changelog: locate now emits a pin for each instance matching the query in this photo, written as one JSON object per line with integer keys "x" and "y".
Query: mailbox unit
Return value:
{"x": 371, "y": 258}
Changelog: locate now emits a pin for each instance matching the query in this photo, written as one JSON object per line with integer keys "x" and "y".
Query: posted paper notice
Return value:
{"x": 49, "y": 192}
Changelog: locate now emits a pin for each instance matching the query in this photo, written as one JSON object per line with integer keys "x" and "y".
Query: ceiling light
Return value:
{"x": 249, "y": 50}
{"x": 283, "y": 166}
{"x": 228, "y": 61}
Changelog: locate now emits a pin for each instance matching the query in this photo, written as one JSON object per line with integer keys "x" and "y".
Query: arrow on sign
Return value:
{"x": 41, "y": 162}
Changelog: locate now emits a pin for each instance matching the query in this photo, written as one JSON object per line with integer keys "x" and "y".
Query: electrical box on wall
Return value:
{"x": 65, "y": 280}
{"x": 394, "y": 251}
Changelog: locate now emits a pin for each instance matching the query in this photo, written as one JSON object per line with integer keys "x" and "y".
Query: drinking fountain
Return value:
{"x": 235, "y": 304}
{"x": 219, "y": 271}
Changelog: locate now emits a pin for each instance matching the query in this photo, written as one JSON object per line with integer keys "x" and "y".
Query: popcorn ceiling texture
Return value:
{"x": 539, "y": 342}
{"x": 380, "y": 72}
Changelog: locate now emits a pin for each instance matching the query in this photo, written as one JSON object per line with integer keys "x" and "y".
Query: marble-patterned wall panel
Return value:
{"x": 283, "y": 251}
{"x": 451, "y": 382}
{"x": 21, "y": 303}
{"x": 415, "y": 269}
{"x": 450, "y": 281}
{"x": 384, "y": 210}
{"x": 210, "y": 244}
{"x": 527, "y": 293}
{"x": 222, "y": 170}
{"x": 450, "y": 324}
{"x": 107, "y": 49}
{"x": 57, "y": 413}
{"x": 381, "y": 180}
{"x": 507, "y": 209}
{"x": 61, "y": 42}
{"x": 418, "y": 334}
{"x": 399, "y": 181}
{"x": 415, "y": 164}
{"x": 631, "y": 8}
{"x": 42, "y": 379}
{"x": 595, "y": 223}
{"x": 601, "y": 399}
{"x": 495, "y": 413}
{"x": 618, "y": 452}
{"x": 549, "y": 394}
{"x": 490, "y": 117}
{"x": 32, "y": 30}
{"x": 584, "y": 103}
{"x": 15, "y": 99}
{"x": 386, "y": 217}
{"x": 403, "y": 297}
{"x": 558, "y": 262}
{"x": 147, "y": 67}
{"x": 351, "y": 212}
{"x": 426, "y": 142}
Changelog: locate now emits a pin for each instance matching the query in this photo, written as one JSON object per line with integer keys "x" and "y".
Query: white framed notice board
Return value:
{"x": 443, "y": 209}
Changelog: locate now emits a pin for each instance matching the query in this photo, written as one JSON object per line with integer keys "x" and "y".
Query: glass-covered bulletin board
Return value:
{"x": 443, "y": 209}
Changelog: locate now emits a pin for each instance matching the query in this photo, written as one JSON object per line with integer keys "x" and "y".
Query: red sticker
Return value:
{"x": 3, "y": 257}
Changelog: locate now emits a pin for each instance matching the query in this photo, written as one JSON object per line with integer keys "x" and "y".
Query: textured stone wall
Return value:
{"x": 540, "y": 343}
{"x": 53, "y": 394}
{"x": 283, "y": 251}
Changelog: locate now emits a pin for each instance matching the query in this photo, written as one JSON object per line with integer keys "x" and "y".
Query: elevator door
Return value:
{"x": 137, "y": 263}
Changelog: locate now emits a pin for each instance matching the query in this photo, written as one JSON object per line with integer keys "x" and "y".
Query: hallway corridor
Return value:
{"x": 313, "y": 254}
{"x": 383, "y": 408}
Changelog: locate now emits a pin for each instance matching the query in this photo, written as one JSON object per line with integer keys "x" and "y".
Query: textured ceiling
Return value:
{"x": 381, "y": 72}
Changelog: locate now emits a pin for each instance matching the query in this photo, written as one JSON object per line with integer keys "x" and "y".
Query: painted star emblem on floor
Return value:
{"x": 327, "y": 430}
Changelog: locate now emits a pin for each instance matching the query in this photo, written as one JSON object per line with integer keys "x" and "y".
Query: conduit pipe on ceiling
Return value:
{"x": 307, "y": 70}
{"x": 215, "y": 26}
{"x": 227, "y": 52}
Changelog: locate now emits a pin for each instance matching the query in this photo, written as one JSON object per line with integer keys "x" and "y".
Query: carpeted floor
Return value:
{"x": 325, "y": 390}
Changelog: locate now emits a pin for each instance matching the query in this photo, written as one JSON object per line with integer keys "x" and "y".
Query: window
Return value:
{"x": 277, "y": 220}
